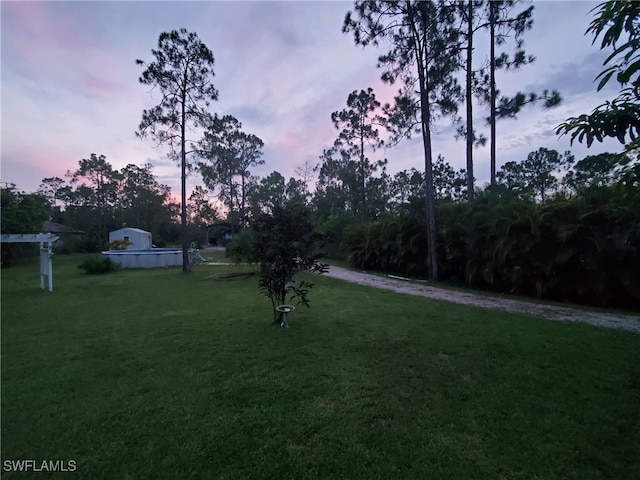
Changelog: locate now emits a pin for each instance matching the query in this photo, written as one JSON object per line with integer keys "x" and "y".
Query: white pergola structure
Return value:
{"x": 46, "y": 241}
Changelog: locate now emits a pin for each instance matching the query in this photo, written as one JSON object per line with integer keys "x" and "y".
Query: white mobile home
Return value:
{"x": 140, "y": 239}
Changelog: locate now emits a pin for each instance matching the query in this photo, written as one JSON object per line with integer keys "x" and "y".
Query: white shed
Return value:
{"x": 140, "y": 239}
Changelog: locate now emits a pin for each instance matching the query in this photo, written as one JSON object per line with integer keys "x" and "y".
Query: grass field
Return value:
{"x": 215, "y": 256}
{"x": 153, "y": 374}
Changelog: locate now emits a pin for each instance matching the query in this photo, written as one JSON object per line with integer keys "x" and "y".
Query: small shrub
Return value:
{"x": 99, "y": 265}
{"x": 285, "y": 244}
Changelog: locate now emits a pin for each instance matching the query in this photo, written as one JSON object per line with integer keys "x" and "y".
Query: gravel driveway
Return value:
{"x": 630, "y": 323}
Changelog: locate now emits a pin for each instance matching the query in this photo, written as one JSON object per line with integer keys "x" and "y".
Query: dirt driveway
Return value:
{"x": 630, "y": 323}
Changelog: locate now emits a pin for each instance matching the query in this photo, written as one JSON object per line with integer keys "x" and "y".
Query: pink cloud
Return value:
{"x": 38, "y": 22}
{"x": 101, "y": 87}
{"x": 48, "y": 43}
{"x": 288, "y": 141}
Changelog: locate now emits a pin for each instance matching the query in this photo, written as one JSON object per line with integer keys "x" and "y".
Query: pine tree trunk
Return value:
{"x": 363, "y": 197}
{"x": 242, "y": 200}
{"x": 470, "y": 187}
{"x": 492, "y": 118}
{"x": 425, "y": 120}
{"x": 432, "y": 261}
{"x": 183, "y": 184}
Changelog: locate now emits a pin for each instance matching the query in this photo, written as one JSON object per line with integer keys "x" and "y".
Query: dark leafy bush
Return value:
{"x": 354, "y": 242}
{"x": 332, "y": 228}
{"x": 392, "y": 244}
{"x": 88, "y": 245}
{"x": 99, "y": 265}
{"x": 583, "y": 249}
{"x": 241, "y": 248}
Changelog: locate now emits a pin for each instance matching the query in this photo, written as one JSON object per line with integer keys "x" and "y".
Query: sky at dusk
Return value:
{"x": 70, "y": 83}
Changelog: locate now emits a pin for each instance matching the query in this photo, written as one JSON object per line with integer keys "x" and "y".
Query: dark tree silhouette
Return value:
{"x": 422, "y": 55}
{"x": 183, "y": 72}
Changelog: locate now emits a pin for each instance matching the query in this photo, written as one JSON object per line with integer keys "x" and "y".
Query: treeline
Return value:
{"x": 551, "y": 228}
{"x": 545, "y": 226}
{"x": 95, "y": 199}
{"x": 573, "y": 238}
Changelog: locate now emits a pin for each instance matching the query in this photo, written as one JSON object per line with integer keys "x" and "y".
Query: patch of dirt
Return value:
{"x": 630, "y": 323}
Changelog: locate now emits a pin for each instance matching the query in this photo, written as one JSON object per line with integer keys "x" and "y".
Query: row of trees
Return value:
{"x": 96, "y": 197}
{"x": 429, "y": 44}
{"x": 573, "y": 237}
{"x": 551, "y": 227}
{"x": 570, "y": 237}
{"x": 579, "y": 242}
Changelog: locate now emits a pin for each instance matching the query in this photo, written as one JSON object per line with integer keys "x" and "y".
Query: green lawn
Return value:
{"x": 215, "y": 256}
{"x": 153, "y": 374}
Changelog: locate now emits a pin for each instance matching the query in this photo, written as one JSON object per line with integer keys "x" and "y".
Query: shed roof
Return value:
{"x": 53, "y": 227}
{"x": 130, "y": 229}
